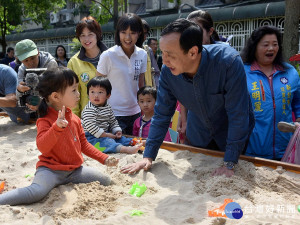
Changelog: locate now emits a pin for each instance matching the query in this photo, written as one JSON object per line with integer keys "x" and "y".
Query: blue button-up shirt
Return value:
{"x": 217, "y": 100}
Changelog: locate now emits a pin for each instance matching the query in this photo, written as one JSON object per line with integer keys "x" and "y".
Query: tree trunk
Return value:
{"x": 125, "y": 4}
{"x": 3, "y": 30}
{"x": 291, "y": 29}
{"x": 3, "y": 43}
{"x": 116, "y": 13}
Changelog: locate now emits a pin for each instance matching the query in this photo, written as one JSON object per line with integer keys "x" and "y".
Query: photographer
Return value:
{"x": 8, "y": 100}
{"x": 30, "y": 57}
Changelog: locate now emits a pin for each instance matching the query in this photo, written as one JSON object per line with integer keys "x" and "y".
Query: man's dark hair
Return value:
{"x": 191, "y": 34}
{"x": 135, "y": 24}
{"x": 101, "y": 82}
{"x": 248, "y": 53}
{"x": 147, "y": 90}
{"x": 9, "y": 49}
{"x": 150, "y": 40}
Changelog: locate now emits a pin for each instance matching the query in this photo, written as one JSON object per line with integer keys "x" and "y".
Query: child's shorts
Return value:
{"x": 107, "y": 144}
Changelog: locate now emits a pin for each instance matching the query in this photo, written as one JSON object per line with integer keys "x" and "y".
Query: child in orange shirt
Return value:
{"x": 61, "y": 140}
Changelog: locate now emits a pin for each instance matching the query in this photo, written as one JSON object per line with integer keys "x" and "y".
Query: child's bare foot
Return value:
{"x": 131, "y": 149}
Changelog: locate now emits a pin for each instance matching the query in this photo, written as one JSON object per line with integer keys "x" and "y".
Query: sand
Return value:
{"x": 180, "y": 190}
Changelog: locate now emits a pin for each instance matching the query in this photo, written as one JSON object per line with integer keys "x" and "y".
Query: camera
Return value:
{"x": 31, "y": 97}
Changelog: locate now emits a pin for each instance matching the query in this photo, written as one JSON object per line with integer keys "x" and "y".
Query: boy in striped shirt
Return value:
{"x": 99, "y": 122}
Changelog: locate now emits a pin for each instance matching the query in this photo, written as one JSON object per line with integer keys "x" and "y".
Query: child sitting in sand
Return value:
{"x": 99, "y": 122}
{"x": 61, "y": 140}
{"x": 146, "y": 97}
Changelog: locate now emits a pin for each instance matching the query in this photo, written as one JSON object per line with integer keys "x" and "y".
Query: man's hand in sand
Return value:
{"x": 145, "y": 164}
{"x": 223, "y": 170}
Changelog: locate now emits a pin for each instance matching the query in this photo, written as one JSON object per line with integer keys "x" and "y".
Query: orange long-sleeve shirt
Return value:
{"x": 62, "y": 148}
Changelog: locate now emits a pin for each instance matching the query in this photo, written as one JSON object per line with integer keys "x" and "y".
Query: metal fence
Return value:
{"x": 241, "y": 30}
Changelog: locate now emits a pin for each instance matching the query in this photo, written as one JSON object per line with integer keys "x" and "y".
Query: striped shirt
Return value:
{"x": 255, "y": 66}
{"x": 99, "y": 119}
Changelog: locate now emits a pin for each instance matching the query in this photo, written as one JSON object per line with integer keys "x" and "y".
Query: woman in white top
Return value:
{"x": 125, "y": 65}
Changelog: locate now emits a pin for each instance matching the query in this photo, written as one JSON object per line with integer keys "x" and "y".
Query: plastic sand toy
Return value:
{"x": 137, "y": 190}
{"x": 135, "y": 212}
{"x": 219, "y": 212}
{"x": 97, "y": 146}
{"x": 2, "y": 185}
{"x": 29, "y": 175}
{"x": 136, "y": 141}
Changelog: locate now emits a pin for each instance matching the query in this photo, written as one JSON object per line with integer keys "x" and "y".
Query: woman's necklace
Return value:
{"x": 74, "y": 137}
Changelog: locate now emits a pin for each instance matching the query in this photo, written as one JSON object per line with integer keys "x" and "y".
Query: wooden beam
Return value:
{"x": 255, "y": 160}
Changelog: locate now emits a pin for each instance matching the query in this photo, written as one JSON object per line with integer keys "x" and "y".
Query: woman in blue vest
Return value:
{"x": 274, "y": 89}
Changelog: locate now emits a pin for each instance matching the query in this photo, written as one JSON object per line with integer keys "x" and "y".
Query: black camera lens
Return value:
{"x": 33, "y": 100}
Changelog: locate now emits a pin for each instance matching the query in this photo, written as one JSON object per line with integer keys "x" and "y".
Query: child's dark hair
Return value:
{"x": 132, "y": 21}
{"x": 54, "y": 80}
{"x": 100, "y": 81}
{"x": 147, "y": 90}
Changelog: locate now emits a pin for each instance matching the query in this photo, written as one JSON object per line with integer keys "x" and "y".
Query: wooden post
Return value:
{"x": 291, "y": 29}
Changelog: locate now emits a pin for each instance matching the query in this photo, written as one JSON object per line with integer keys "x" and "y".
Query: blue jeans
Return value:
{"x": 46, "y": 179}
{"x": 15, "y": 112}
{"x": 108, "y": 145}
{"x": 126, "y": 123}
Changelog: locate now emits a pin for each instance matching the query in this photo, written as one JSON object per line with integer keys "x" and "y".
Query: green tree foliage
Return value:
{"x": 13, "y": 11}
{"x": 75, "y": 46}
{"x": 10, "y": 18}
{"x": 102, "y": 11}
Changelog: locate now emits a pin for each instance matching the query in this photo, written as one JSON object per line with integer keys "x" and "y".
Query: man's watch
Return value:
{"x": 229, "y": 165}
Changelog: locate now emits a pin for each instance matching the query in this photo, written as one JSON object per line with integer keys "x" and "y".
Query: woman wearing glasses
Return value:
{"x": 84, "y": 62}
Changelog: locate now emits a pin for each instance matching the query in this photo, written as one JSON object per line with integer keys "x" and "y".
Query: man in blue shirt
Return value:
{"x": 8, "y": 99}
{"x": 10, "y": 53}
{"x": 210, "y": 82}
